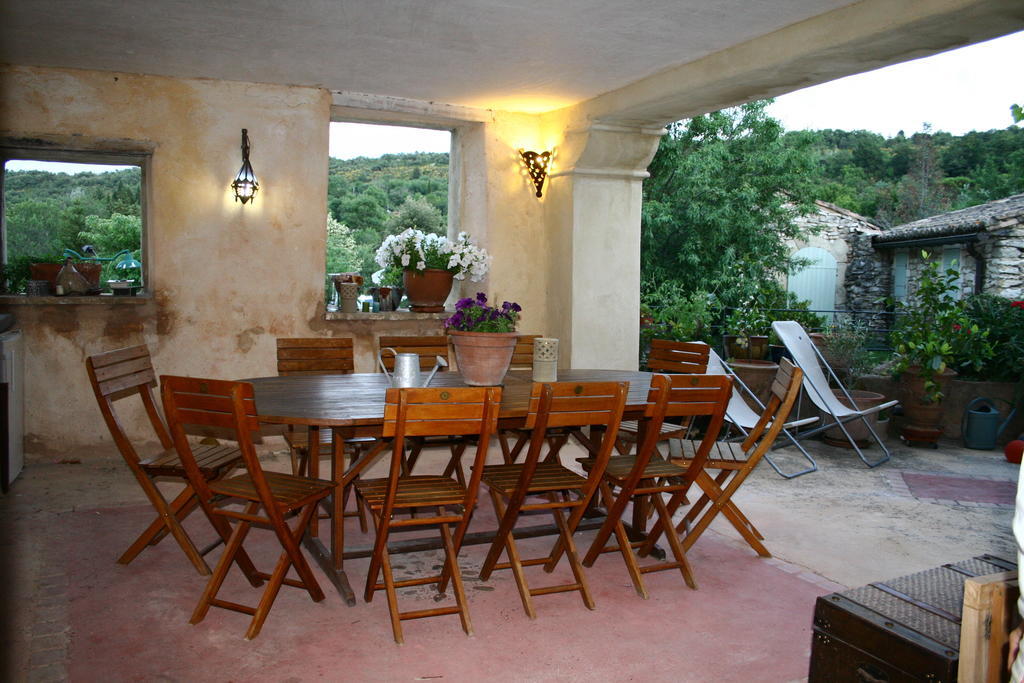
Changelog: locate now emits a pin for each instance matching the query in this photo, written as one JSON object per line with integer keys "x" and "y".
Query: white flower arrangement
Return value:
{"x": 414, "y": 249}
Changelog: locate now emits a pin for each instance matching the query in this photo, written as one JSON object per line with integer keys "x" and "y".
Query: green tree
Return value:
{"x": 415, "y": 212}
{"x": 108, "y": 236}
{"x": 30, "y": 228}
{"x": 364, "y": 211}
{"x": 721, "y": 200}
{"x": 921, "y": 192}
{"x": 342, "y": 254}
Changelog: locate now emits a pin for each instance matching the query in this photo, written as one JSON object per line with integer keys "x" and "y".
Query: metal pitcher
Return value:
{"x": 407, "y": 369}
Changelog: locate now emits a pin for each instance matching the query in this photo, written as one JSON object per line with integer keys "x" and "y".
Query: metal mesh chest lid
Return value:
{"x": 928, "y": 602}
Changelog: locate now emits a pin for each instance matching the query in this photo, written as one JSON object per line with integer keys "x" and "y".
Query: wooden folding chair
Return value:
{"x": 419, "y": 413}
{"x": 127, "y": 372}
{"x": 647, "y": 476}
{"x": 319, "y": 356}
{"x": 229, "y": 406}
{"x": 522, "y": 359}
{"x": 312, "y": 356}
{"x": 427, "y": 348}
{"x": 670, "y": 357}
{"x": 560, "y": 404}
{"x": 734, "y": 462}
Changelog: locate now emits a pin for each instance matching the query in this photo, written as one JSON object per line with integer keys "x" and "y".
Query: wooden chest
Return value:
{"x": 903, "y": 629}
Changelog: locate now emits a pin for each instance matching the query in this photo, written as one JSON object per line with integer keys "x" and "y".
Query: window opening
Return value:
{"x": 381, "y": 180}
{"x": 90, "y": 212}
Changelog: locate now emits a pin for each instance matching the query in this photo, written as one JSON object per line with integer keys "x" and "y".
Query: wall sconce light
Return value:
{"x": 245, "y": 184}
{"x": 537, "y": 167}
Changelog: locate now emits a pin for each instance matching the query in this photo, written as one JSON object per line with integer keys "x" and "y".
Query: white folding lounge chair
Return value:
{"x": 744, "y": 418}
{"x": 816, "y": 383}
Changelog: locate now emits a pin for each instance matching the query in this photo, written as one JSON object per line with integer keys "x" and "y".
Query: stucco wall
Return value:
{"x": 228, "y": 279}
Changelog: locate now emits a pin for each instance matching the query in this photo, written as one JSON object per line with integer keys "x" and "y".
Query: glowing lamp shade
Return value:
{"x": 537, "y": 167}
{"x": 245, "y": 184}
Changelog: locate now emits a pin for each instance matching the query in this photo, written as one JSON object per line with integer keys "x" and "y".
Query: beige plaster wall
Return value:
{"x": 226, "y": 278}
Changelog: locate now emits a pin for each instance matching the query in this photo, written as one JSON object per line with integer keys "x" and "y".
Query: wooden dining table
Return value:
{"x": 352, "y": 406}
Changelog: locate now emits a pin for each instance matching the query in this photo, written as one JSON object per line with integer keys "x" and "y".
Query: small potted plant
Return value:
{"x": 747, "y": 331}
{"x": 484, "y": 339}
{"x": 844, "y": 346}
{"x": 926, "y": 339}
{"x": 429, "y": 264}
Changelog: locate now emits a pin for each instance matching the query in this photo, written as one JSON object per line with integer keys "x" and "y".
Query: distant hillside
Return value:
{"x": 395, "y": 175}
{"x": 901, "y": 179}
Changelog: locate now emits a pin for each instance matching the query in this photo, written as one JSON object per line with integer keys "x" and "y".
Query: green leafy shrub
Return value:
{"x": 845, "y": 347}
{"x": 1003, "y": 319}
{"x": 935, "y": 330}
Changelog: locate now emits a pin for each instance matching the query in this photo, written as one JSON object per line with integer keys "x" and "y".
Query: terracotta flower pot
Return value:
{"x": 49, "y": 271}
{"x": 922, "y": 421}
{"x": 856, "y": 428}
{"x": 758, "y": 375}
{"x": 483, "y": 357}
{"x": 428, "y": 289}
{"x": 755, "y": 349}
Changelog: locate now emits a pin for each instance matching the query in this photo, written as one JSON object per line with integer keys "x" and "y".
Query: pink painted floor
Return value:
{"x": 749, "y": 621}
{"x": 970, "y": 489}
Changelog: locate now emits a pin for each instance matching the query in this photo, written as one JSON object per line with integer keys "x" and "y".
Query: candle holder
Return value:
{"x": 545, "y": 359}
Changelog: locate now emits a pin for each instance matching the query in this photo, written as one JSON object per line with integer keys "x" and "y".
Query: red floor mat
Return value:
{"x": 964, "y": 489}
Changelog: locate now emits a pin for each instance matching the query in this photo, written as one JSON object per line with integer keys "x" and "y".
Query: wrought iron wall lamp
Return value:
{"x": 537, "y": 167}
{"x": 245, "y": 184}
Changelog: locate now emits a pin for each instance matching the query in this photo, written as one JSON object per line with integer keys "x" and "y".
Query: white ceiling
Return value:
{"x": 526, "y": 55}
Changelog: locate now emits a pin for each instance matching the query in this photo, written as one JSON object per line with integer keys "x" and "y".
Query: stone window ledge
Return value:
{"x": 401, "y": 314}
{"x": 94, "y": 300}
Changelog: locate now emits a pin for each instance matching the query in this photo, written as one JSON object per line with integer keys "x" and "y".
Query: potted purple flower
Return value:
{"x": 484, "y": 339}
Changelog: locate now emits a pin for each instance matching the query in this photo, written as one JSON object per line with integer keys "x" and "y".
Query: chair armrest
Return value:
{"x": 801, "y": 423}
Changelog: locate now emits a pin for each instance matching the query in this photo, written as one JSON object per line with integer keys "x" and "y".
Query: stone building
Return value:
{"x": 984, "y": 242}
{"x": 843, "y": 273}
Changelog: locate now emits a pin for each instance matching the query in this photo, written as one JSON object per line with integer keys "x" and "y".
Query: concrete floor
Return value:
{"x": 844, "y": 525}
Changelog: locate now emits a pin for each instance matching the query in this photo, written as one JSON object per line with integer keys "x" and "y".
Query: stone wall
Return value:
{"x": 868, "y": 276}
{"x": 1004, "y": 249}
{"x": 860, "y": 278}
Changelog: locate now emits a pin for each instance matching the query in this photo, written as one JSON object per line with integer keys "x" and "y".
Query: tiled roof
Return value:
{"x": 996, "y": 214}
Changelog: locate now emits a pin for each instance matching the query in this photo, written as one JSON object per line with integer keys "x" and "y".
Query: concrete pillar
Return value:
{"x": 593, "y": 213}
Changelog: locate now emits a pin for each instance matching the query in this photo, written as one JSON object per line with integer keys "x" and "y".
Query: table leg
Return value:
{"x": 313, "y": 470}
{"x": 338, "y": 499}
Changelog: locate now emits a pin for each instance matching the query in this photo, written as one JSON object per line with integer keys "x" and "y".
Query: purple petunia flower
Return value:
{"x": 474, "y": 315}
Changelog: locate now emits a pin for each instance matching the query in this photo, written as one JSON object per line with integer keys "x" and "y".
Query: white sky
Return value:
{"x": 958, "y": 91}
{"x": 351, "y": 140}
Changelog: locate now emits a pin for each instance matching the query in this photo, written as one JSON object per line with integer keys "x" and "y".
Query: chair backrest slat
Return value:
{"x": 436, "y": 412}
{"x": 118, "y": 374}
{"x": 522, "y": 355}
{"x": 686, "y": 395}
{"x": 689, "y": 358}
{"x": 454, "y": 411}
{"x": 784, "y": 392}
{"x": 209, "y": 403}
{"x": 315, "y": 356}
{"x": 229, "y": 406}
{"x": 576, "y": 404}
{"x": 426, "y": 348}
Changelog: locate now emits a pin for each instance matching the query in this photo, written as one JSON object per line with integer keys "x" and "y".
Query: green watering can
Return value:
{"x": 980, "y": 427}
